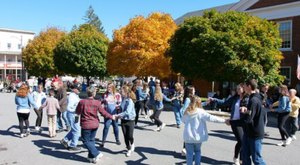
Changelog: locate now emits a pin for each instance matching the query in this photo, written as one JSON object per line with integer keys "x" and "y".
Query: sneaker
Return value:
{"x": 162, "y": 126}
{"x": 64, "y": 143}
{"x": 266, "y": 134}
{"x": 74, "y": 148}
{"x": 37, "y": 128}
{"x": 281, "y": 144}
{"x": 183, "y": 152}
{"x": 288, "y": 141}
{"x": 23, "y": 135}
{"x": 157, "y": 129}
{"x": 97, "y": 158}
{"x": 178, "y": 126}
{"x": 118, "y": 142}
{"x": 132, "y": 147}
{"x": 236, "y": 161}
{"x": 27, "y": 134}
{"x": 146, "y": 117}
{"x": 128, "y": 153}
{"x": 294, "y": 137}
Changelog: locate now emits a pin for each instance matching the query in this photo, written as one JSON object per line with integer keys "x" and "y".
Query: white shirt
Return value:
{"x": 73, "y": 101}
{"x": 39, "y": 98}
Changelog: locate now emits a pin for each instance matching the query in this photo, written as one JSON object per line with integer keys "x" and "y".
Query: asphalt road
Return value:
{"x": 154, "y": 148}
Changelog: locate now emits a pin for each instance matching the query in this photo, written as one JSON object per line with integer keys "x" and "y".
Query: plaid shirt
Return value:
{"x": 87, "y": 109}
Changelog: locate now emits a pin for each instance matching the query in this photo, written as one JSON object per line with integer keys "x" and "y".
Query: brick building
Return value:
{"x": 286, "y": 13}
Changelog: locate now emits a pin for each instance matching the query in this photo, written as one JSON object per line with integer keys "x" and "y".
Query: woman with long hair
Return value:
{"x": 178, "y": 98}
{"x": 127, "y": 116}
{"x": 158, "y": 107}
{"x": 111, "y": 100}
{"x": 23, "y": 101}
{"x": 240, "y": 99}
{"x": 283, "y": 110}
{"x": 195, "y": 130}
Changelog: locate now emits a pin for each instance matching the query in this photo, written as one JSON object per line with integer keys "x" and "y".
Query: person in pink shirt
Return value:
{"x": 51, "y": 105}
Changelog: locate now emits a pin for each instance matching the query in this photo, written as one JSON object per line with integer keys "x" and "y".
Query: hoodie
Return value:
{"x": 195, "y": 130}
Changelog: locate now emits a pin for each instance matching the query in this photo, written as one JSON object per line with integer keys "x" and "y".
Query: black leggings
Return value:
{"x": 282, "y": 117}
{"x": 39, "y": 118}
{"x": 237, "y": 129}
{"x": 127, "y": 129}
{"x": 138, "y": 106}
{"x": 23, "y": 117}
{"x": 155, "y": 116}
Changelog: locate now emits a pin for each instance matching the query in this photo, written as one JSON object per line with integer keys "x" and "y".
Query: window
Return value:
{"x": 285, "y": 29}
{"x": 19, "y": 46}
{"x": 286, "y": 71}
{"x": 8, "y": 45}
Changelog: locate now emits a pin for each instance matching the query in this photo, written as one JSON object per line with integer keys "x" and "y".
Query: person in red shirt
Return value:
{"x": 88, "y": 109}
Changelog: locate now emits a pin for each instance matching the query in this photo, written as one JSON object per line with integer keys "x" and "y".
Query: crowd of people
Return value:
{"x": 248, "y": 107}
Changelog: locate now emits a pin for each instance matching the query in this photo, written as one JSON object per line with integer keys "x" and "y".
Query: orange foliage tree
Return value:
{"x": 38, "y": 54}
{"x": 138, "y": 49}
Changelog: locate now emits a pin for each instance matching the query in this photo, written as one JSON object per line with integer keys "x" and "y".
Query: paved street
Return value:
{"x": 154, "y": 148}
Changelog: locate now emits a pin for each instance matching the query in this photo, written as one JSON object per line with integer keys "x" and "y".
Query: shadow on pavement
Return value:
{"x": 142, "y": 150}
{"x": 9, "y": 132}
{"x": 208, "y": 160}
{"x": 222, "y": 134}
{"x": 55, "y": 149}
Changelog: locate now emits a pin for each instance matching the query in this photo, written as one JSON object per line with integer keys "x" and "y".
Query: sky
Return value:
{"x": 37, "y": 15}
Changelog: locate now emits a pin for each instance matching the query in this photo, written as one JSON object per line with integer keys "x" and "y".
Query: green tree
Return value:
{"x": 93, "y": 19}
{"x": 38, "y": 54}
{"x": 231, "y": 46}
{"x": 82, "y": 52}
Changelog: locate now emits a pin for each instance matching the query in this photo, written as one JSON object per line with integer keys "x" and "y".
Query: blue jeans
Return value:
{"x": 177, "y": 112}
{"x": 74, "y": 133}
{"x": 252, "y": 147}
{"x": 107, "y": 123}
{"x": 88, "y": 139}
{"x": 192, "y": 148}
{"x": 62, "y": 115}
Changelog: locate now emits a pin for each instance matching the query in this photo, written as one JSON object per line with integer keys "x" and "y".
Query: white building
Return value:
{"x": 11, "y": 43}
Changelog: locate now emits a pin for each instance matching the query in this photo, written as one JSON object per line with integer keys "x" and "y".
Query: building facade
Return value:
{"x": 286, "y": 13}
{"x": 11, "y": 44}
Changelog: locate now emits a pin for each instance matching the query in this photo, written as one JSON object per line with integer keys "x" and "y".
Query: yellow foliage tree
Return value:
{"x": 138, "y": 49}
{"x": 38, "y": 54}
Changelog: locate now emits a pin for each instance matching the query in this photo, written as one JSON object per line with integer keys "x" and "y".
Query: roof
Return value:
{"x": 11, "y": 52}
{"x": 221, "y": 9}
{"x": 16, "y": 31}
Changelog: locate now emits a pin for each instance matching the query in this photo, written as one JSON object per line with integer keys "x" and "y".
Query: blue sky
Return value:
{"x": 36, "y": 15}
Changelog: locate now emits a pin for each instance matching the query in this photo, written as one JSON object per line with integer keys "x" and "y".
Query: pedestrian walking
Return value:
{"x": 254, "y": 125}
{"x": 159, "y": 97}
{"x": 70, "y": 141}
{"x": 51, "y": 106}
{"x": 24, "y": 101}
{"x": 39, "y": 97}
{"x": 127, "y": 116}
{"x": 140, "y": 97}
{"x": 178, "y": 95}
{"x": 292, "y": 122}
{"x": 235, "y": 103}
{"x": 112, "y": 101}
{"x": 283, "y": 110}
{"x": 88, "y": 109}
{"x": 61, "y": 96}
{"x": 195, "y": 130}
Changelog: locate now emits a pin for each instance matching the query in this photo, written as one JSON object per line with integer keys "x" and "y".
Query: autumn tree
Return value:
{"x": 82, "y": 52}
{"x": 38, "y": 54}
{"x": 93, "y": 19}
{"x": 138, "y": 48}
{"x": 229, "y": 46}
